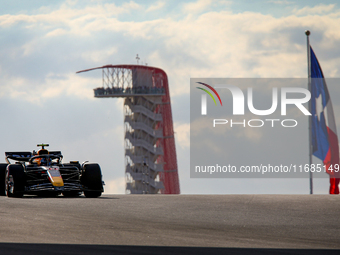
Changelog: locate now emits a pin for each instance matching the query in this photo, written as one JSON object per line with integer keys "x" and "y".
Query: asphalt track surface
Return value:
{"x": 171, "y": 224}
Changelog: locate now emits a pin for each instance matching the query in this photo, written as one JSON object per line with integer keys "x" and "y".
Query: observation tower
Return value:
{"x": 150, "y": 152}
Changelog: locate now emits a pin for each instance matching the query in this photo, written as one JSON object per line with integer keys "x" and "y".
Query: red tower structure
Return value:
{"x": 150, "y": 152}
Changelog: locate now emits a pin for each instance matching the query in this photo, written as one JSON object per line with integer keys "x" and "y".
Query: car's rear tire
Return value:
{"x": 3, "y": 179}
{"x": 15, "y": 181}
{"x": 92, "y": 180}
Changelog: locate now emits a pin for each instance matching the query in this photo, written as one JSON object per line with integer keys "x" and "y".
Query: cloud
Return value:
{"x": 196, "y": 7}
{"x": 54, "y": 85}
{"x": 318, "y": 9}
{"x": 98, "y": 57}
{"x": 182, "y": 132}
{"x": 281, "y": 2}
{"x": 69, "y": 15}
{"x": 115, "y": 186}
{"x": 226, "y": 44}
{"x": 56, "y": 32}
{"x": 245, "y": 44}
{"x": 155, "y": 7}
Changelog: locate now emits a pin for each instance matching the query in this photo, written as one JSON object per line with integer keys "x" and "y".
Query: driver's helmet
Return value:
{"x": 42, "y": 161}
{"x": 43, "y": 152}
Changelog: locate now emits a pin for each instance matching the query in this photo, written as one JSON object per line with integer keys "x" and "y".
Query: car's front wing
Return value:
{"x": 50, "y": 187}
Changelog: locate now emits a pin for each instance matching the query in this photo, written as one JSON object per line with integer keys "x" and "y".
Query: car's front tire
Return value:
{"x": 92, "y": 180}
{"x": 3, "y": 179}
{"x": 15, "y": 181}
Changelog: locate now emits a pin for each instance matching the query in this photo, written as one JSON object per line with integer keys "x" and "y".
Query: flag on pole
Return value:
{"x": 324, "y": 135}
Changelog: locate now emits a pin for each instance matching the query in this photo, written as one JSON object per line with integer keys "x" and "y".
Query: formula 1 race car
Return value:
{"x": 43, "y": 173}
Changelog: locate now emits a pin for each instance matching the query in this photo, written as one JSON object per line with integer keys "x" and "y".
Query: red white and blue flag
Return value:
{"x": 324, "y": 135}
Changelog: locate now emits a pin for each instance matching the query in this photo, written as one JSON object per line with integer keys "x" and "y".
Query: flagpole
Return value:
{"x": 307, "y": 32}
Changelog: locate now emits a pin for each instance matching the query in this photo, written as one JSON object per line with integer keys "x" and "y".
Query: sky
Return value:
{"x": 44, "y": 43}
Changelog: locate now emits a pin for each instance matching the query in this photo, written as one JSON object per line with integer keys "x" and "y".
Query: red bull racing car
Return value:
{"x": 43, "y": 173}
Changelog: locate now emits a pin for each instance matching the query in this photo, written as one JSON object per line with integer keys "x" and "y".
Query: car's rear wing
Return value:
{"x": 25, "y": 156}
{"x": 19, "y": 156}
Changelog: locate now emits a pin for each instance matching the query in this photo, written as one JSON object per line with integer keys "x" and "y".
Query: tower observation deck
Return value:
{"x": 150, "y": 152}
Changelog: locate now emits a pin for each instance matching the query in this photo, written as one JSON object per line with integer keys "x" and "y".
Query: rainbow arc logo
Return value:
{"x": 204, "y": 97}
